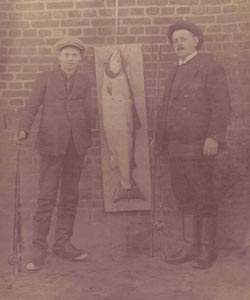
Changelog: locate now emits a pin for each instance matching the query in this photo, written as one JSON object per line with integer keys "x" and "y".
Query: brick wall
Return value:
{"x": 28, "y": 31}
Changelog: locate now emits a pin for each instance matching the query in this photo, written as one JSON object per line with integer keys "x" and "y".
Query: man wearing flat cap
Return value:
{"x": 191, "y": 127}
{"x": 64, "y": 135}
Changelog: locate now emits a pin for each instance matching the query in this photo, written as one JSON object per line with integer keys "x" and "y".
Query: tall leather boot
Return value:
{"x": 190, "y": 235}
{"x": 38, "y": 251}
{"x": 63, "y": 232}
{"x": 207, "y": 243}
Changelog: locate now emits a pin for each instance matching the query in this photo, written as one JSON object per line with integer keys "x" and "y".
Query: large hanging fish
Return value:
{"x": 120, "y": 121}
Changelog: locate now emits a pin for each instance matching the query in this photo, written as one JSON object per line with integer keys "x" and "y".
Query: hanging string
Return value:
{"x": 116, "y": 19}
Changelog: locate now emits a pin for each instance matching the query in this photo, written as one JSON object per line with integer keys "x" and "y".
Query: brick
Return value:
{"x": 89, "y": 13}
{"x": 165, "y": 20}
{"x": 183, "y": 10}
{"x": 126, "y": 39}
{"x": 26, "y": 76}
{"x": 151, "y": 11}
{"x": 43, "y": 59}
{"x": 137, "y": 30}
{"x": 3, "y": 33}
{"x": 136, "y": 21}
{"x": 15, "y": 33}
{"x": 41, "y": 15}
{"x": 29, "y": 51}
{"x": 17, "y": 102}
{"x": 184, "y": 2}
{"x": 14, "y": 24}
{"x": 208, "y": 2}
{"x": 151, "y": 2}
{"x": 74, "y": 31}
{"x": 3, "y": 51}
{"x": 60, "y": 5}
{"x": 10, "y": 93}
{"x": 137, "y": 11}
{"x": 6, "y": 76}
{"x": 30, "y": 6}
{"x": 28, "y": 42}
{"x": 122, "y": 30}
{"x": 58, "y": 14}
{"x": 44, "y": 32}
{"x": 228, "y": 18}
{"x": 75, "y": 22}
{"x": 14, "y": 59}
{"x": 15, "y": 15}
{"x": 29, "y": 68}
{"x": 107, "y": 12}
{"x": 89, "y": 31}
{"x": 13, "y": 68}
{"x": 30, "y": 33}
{"x": 213, "y": 10}
{"x": 152, "y": 29}
{"x": 47, "y": 23}
{"x": 90, "y": 3}
{"x": 15, "y": 51}
{"x": 103, "y": 22}
{"x": 201, "y": 19}
{"x": 59, "y": 32}
{"x": 230, "y": 28}
{"x": 3, "y": 86}
{"x": 153, "y": 39}
{"x": 44, "y": 51}
{"x": 123, "y": 12}
{"x": 94, "y": 40}
{"x": 122, "y": 3}
{"x": 105, "y": 31}
{"x": 168, "y": 11}
{"x": 229, "y": 9}
{"x": 74, "y": 14}
{"x": 214, "y": 28}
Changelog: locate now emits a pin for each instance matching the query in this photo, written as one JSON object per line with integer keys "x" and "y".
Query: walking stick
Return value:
{"x": 16, "y": 258}
{"x": 155, "y": 224}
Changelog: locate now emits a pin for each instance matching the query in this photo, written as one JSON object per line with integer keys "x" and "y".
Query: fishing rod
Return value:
{"x": 155, "y": 223}
{"x": 16, "y": 258}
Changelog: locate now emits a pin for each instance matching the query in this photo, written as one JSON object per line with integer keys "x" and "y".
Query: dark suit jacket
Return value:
{"x": 196, "y": 110}
{"x": 61, "y": 114}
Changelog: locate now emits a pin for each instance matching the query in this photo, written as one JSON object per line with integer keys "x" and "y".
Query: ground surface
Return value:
{"x": 135, "y": 277}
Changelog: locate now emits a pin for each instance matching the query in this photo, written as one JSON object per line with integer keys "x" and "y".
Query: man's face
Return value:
{"x": 69, "y": 59}
{"x": 184, "y": 43}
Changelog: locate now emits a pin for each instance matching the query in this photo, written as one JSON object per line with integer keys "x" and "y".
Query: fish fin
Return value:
{"x": 109, "y": 89}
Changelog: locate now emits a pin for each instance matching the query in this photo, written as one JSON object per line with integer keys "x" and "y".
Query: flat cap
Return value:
{"x": 187, "y": 26}
{"x": 70, "y": 41}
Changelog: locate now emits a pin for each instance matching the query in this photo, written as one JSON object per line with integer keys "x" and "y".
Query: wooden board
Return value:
{"x": 132, "y": 53}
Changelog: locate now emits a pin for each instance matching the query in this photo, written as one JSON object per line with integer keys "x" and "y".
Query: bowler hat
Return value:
{"x": 69, "y": 41}
{"x": 187, "y": 26}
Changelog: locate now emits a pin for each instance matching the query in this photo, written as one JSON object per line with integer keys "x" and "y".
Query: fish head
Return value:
{"x": 115, "y": 62}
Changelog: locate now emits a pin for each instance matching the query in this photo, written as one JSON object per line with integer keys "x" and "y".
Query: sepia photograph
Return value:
{"x": 125, "y": 150}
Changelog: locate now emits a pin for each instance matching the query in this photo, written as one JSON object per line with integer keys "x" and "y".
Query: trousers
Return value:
{"x": 192, "y": 185}
{"x": 57, "y": 173}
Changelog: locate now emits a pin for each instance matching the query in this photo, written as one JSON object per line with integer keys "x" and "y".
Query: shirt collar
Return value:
{"x": 188, "y": 58}
{"x": 72, "y": 75}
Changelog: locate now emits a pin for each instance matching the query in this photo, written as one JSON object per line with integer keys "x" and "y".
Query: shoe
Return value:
{"x": 36, "y": 259}
{"x": 69, "y": 251}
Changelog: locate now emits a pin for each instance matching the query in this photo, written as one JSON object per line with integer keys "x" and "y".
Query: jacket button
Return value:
{"x": 184, "y": 108}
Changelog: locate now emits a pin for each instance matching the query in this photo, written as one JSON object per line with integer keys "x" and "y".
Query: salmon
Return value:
{"x": 120, "y": 121}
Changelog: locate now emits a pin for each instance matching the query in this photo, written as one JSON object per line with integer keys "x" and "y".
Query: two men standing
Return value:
{"x": 64, "y": 136}
{"x": 191, "y": 128}
{"x": 191, "y": 125}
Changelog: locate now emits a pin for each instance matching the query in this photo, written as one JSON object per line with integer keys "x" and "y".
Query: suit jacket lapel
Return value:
{"x": 192, "y": 71}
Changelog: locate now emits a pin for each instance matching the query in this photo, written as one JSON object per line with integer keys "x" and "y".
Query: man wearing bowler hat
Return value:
{"x": 64, "y": 135}
{"x": 191, "y": 127}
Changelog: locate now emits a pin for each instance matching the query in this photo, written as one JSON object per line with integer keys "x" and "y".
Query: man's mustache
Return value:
{"x": 180, "y": 48}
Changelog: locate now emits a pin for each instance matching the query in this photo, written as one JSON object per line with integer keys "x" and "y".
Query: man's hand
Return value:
{"x": 210, "y": 147}
{"x": 20, "y": 137}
